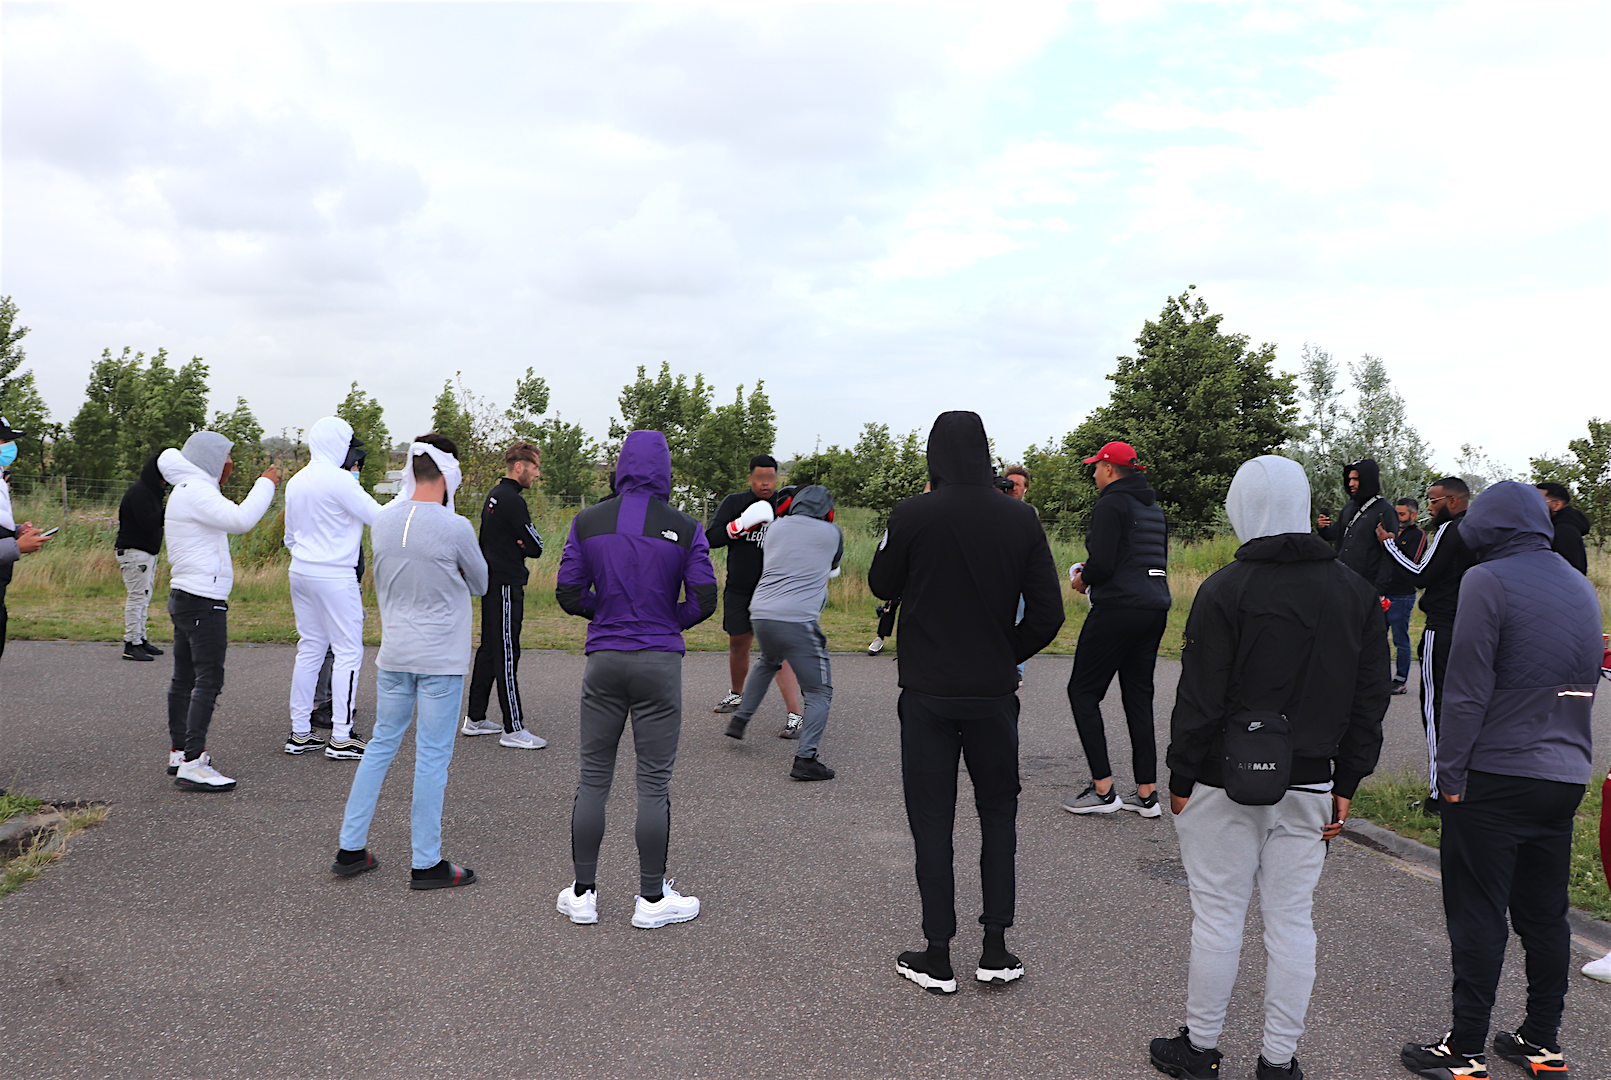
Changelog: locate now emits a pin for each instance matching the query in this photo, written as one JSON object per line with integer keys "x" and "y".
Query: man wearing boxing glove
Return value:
{"x": 739, "y": 526}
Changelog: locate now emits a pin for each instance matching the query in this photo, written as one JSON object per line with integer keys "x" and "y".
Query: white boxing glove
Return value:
{"x": 758, "y": 513}
{"x": 834, "y": 572}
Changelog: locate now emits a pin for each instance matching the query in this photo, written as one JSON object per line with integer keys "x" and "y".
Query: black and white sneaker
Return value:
{"x": 349, "y": 749}
{"x": 301, "y": 744}
{"x": 1092, "y": 801}
{"x": 1537, "y": 1059}
{"x": 929, "y": 969}
{"x": 997, "y": 966}
{"x": 1146, "y": 806}
{"x": 728, "y": 703}
{"x": 1179, "y": 1058}
{"x": 176, "y": 758}
{"x": 1438, "y": 1061}
{"x": 791, "y": 726}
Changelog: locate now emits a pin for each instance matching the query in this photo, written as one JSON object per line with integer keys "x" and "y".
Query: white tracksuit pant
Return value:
{"x": 329, "y": 615}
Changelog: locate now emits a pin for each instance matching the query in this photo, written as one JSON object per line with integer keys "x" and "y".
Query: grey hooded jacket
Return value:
{"x": 1526, "y": 651}
{"x": 802, "y": 550}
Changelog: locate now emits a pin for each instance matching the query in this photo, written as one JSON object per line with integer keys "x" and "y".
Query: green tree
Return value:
{"x": 846, "y": 472}
{"x": 900, "y": 473}
{"x": 248, "y": 453}
{"x": 718, "y": 458}
{"x": 448, "y": 416}
{"x": 20, "y": 401}
{"x": 570, "y": 458}
{"x": 168, "y": 407}
{"x": 1195, "y": 402}
{"x": 1594, "y": 477}
{"x": 530, "y": 402}
{"x": 92, "y": 443}
{"x": 674, "y": 407}
{"x": 1057, "y": 486}
{"x": 366, "y": 417}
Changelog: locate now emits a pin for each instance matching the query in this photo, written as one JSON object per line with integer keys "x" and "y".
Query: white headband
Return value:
{"x": 447, "y": 463}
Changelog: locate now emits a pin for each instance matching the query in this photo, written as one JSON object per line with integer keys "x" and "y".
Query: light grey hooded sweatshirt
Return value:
{"x": 1269, "y": 496}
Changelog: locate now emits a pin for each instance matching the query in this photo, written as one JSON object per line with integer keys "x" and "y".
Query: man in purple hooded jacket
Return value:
{"x": 626, "y": 562}
{"x": 1513, "y": 758}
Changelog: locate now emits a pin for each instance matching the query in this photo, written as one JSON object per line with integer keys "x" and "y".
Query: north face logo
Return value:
{"x": 669, "y": 535}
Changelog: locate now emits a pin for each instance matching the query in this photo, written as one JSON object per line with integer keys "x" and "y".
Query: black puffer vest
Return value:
{"x": 1141, "y": 579}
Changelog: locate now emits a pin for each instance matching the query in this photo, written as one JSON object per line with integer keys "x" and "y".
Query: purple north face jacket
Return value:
{"x": 628, "y": 559}
{"x": 1525, "y": 655}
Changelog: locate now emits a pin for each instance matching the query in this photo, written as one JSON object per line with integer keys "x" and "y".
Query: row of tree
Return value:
{"x": 1194, "y": 400}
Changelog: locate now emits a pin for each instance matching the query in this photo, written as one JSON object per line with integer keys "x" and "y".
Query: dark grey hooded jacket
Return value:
{"x": 1353, "y": 531}
{"x": 802, "y": 551}
{"x": 1525, "y": 656}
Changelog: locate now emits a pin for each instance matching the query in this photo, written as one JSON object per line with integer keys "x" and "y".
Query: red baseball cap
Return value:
{"x": 1117, "y": 453}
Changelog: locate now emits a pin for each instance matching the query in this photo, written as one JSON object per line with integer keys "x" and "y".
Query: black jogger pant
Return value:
{"x": 497, "y": 658}
{"x": 1507, "y": 844}
{"x": 3, "y": 586}
{"x": 200, "y": 639}
{"x": 1122, "y": 641}
{"x": 1434, "y": 662}
{"x": 934, "y": 733}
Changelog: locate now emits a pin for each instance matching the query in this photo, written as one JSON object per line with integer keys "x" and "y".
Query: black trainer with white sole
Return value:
{"x": 301, "y": 744}
{"x": 349, "y": 749}
{"x": 997, "y": 966}
{"x": 930, "y": 969}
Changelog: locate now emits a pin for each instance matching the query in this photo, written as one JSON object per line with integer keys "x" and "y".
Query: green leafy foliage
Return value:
{"x": 132, "y": 410}
{"x": 569, "y": 458}
{"x": 366, "y": 416}
{"x": 846, "y": 472}
{"x": 20, "y": 400}
{"x": 719, "y": 457}
{"x": 672, "y": 406}
{"x": 248, "y": 453}
{"x": 899, "y": 474}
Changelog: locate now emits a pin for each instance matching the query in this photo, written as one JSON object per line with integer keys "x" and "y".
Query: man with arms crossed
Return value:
{"x": 626, "y": 562}
{"x": 326, "y": 509}
{"x": 959, "y": 557}
{"x": 740, "y": 526}
{"x": 427, "y": 566}
{"x": 507, "y": 541}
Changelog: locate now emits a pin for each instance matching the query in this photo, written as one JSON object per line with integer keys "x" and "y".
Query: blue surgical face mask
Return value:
{"x": 8, "y": 454}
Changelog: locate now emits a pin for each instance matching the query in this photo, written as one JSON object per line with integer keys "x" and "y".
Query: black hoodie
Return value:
{"x": 1353, "y": 532}
{"x": 958, "y": 557}
{"x": 139, "y": 515}
{"x": 1570, "y": 529}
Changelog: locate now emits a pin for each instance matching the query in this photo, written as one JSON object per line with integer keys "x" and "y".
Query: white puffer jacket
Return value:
{"x": 198, "y": 522}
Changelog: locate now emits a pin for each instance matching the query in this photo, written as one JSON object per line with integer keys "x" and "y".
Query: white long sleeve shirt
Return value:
{"x": 326, "y": 508}
{"x": 198, "y": 522}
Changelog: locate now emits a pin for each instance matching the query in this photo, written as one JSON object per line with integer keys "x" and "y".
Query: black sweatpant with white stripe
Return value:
{"x": 497, "y": 660}
{"x": 1434, "y": 662}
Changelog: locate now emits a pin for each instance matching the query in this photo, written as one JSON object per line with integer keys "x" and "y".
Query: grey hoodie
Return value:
{"x": 802, "y": 549}
{"x": 1525, "y": 655}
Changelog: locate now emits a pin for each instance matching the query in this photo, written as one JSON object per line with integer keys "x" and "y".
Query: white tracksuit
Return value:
{"x": 326, "y": 509}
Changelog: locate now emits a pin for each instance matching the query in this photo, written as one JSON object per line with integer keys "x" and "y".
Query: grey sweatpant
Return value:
{"x": 1227, "y": 849}
{"x": 648, "y": 687}
{"x": 805, "y": 649}
{"x": 139, "y": 572}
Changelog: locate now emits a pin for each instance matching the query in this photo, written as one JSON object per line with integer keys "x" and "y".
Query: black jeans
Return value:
{"x": 1507, "y": 844}
{"x": 3, "y": 586}
{"x": 934, "y": 733}
{"x": 1122, "y": 641}
{"x": 497, "y": 658}
{"x": 200, "y": 637}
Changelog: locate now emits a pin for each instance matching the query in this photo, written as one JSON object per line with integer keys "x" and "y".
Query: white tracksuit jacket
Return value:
{"x": 197, "y": 524}
{"x": 326, "y": 508}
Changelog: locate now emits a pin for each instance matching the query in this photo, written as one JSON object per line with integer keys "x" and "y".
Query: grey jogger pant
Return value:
{"x": 139, "y": 572}
{"x": 647, "y": 686}
{"x": 805, "y": 649}
{"x": 1227, "y": 848}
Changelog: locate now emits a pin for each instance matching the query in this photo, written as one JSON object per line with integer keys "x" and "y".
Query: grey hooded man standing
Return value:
{"x": 1284, "y": 629}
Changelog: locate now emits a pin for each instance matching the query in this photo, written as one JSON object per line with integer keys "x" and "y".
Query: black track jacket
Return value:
{"x": 1248, "y": 643}
{"x": 1443, "y": 561}
{"x": 957, "y": 558}
{"x": 507, "y": 536}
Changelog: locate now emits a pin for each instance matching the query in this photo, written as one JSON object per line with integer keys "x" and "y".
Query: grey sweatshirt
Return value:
{"x": 1525, "y": 656}
{"x": 427, "y": 566}
{"x": 801, "y": 550}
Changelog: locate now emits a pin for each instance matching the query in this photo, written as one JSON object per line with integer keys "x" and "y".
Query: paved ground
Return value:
{"x": 203, "y": 936}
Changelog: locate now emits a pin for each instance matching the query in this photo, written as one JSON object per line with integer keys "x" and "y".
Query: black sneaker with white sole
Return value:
{"x": 1179, "y": 1058}
{"x": 1536, "y": 1058}
{"x": 349, "y": 749}
{"x": 1438, "y": 1061}
{"x": 997, "y": 966}
{"x": 301, "y": 744}
{"x": 930, "y": 969}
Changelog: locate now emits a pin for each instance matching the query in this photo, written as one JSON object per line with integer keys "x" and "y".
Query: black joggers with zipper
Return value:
{"x": 1507, "y": 846}
{"x": 935, "y": 732}
{"x": 200, "y": 640}
{"x": 1122, "y": 641}
{"x": 497, "y": 658}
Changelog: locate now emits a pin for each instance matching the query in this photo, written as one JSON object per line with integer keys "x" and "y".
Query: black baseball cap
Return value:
{"x": 7, "y": 432}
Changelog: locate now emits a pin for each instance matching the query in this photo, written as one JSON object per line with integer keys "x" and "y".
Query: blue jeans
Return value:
{"x": 397, "y": 694}
{"x": 1398, "y": 622}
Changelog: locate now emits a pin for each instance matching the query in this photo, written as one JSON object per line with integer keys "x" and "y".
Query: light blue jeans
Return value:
{"x": 397, "y": 694}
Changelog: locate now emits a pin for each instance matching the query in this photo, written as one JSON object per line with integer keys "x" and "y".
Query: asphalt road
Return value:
{"x": 203, "y": 935}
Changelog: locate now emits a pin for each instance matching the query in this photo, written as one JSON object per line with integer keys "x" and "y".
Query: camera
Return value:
{"x": 1003, "y": 483}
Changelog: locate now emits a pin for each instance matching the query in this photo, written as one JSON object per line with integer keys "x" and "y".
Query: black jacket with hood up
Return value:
{"x": 1353, "y": 531}
{"x": 958, "y": 557}
{"x": 1570, "y": 529}
{"x": 1127, "y": 548}
{"x": 1284, "y": 628}
{"x": 139, "y": 515}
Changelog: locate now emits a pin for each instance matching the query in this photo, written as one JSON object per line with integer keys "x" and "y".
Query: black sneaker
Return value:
{"x": 323, "y": 718}
{"x": 349, "y": 863}
{"x": 1438, "y": 1061}
{"x": 301, "y": 744}
{"x": 1399, "y": 688}
{"x": 930, "y": 969}
{"x": 349, "y": 749}
{"x": 1266, "y": 1071}
{"x": 1180, "y": 1059}
{"x": 810, "y": 768}
{"x": 1431, "y": 806}
{"x": 997, "y": 966}
{"x": 150, "y": 648}
{"x": 132, "y": 651}
{"x": 1537, "y": 1059}
{"x": 735, "y": 728}
{"x": 444, "y": 875}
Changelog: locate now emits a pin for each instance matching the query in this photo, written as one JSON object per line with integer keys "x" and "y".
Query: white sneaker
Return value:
{"x": 583, "y": 910}
{"x": 480, "y": 727}
{"x": 672, "y": 907}
{"x": 1599, "y": 969}
{"x": 524, "y": 739}
{"x": 199, "y": 775}
{"x": 876, "y": 647}
{"x": 176, "y": 758}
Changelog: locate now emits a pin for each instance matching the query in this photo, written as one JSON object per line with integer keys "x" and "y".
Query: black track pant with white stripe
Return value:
{"x": 497, "y": 659}
{"x": 1434, "y": 662}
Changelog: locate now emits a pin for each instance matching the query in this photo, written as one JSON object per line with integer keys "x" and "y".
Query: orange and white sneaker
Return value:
{"x": 1537, "y": 1060}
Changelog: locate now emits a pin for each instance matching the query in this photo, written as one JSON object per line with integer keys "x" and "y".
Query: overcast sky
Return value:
{"x": 885, "y": 212}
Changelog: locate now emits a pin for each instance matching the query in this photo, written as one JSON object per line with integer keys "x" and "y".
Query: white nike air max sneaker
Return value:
{"x": 199, "y": 775}
{"x": 672, "y": 907}
{"x": 523, "y": 739}
{"x": 583, "y": 910}
{"x": 480, "y": 727}
{"x": 876, "y": 647}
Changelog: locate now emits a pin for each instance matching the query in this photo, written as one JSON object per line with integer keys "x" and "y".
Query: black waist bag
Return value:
{"x": 1257, "y": 766}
